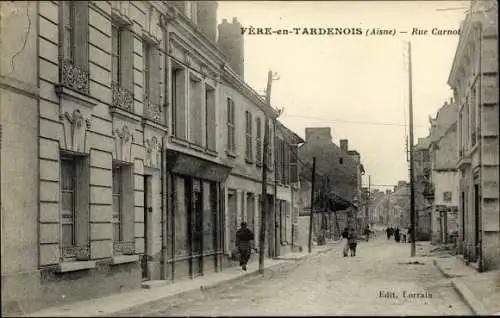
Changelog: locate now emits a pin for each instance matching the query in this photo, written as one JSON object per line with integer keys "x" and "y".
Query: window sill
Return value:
{"x": 249, "y": 161}
{"x": 65, "y": 267}
{"x": 211, "y": 152}
{"x": 196, "y": 147}
{"x": 231, "y": 154}
{"x": 179, "y": 141}
{"x": 258, "y": 164}
{"x": 123, "y": 259}
{"x": 72, "y": 94}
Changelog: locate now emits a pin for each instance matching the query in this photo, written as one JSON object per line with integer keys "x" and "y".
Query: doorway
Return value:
{"x": 476, "y": 221}
{"x": 148, "y": 209}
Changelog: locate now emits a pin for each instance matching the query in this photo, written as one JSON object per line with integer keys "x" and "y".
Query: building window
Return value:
{"x": 210, "y": 118}
{"x": 68, "y": 198}
{"x": 473, "y": 109}
{"x": 74, "y": 45}
{"x": 271, "y": 145}
{"x": 249, "y": 137}
{"x": 341, "y": 160}
{"x": 231, "y": 146}
{"x": 178, "y": 82}
{"x": 447, "y": 196}
{"x": 195, "y": 111}
{"x": 74, "y": 194}
{"x": 116, "y": 54}
{"x": 258, "y": 141}
{"x": 117, "y": 203}
{"x": 146, "y": 49}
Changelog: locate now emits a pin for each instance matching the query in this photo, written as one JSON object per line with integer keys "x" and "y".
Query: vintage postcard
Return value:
{"x": 249, "y": 158}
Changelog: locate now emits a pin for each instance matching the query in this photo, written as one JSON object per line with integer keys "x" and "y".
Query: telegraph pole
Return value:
{"x": 265, "y": 160}
{"x": 312, "y": 204}
{"x": 412, "y": 180}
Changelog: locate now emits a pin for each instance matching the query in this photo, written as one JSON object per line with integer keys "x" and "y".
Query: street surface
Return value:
{"x": 329, "y": 284}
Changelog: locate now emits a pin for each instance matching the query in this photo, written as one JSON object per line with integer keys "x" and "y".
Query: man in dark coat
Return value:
{"x": 243, "y": 242}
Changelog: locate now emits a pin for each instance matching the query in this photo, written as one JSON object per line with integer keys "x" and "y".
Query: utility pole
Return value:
{"x": 412, "y": 180}
{"x": 265, "y": 161}
{"x": 312, "y": 204}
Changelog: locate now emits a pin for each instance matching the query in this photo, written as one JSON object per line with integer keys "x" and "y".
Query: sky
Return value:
{"x": 355, "y": 84}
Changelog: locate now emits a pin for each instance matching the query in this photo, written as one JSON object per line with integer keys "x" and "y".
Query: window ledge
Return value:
{"x": 249, "y": 161}
{"x": 68, "y": 93}
{"x": 211, "y": 152}
{"x": 258, "y": 164}
{"x": 179, "y": 141}
{"x": 150, "y": 123}
{"x": 65, "y": 267}
{"x": 125, "y": 114}
{"x": 196, "y": 147}
{"x": 231, "y": 154}
{"x": 123, "y": 259}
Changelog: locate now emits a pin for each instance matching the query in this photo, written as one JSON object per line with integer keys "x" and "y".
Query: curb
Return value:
{"x": 442, "y": 270}
{"x": 471, "y": 301}
{"x": 288, "y": 264}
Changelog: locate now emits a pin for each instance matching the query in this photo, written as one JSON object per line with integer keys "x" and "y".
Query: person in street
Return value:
{"x": 389, "y": 232}
{"x": 352, "y": 239}
{"x": 367, "y": 232}
{"x": 345, "y": 235}
{"x": 410, "y": 236}
{"x": 244, "y": 237}
{"x": 397, "y": 235}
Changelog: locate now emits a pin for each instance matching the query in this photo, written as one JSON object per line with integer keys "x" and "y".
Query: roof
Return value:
{"x": 296, "y": 139}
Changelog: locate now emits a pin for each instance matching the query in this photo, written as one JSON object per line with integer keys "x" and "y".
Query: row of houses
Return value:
{"x": 132, "y": 148}
{"x": 457, "y": 165}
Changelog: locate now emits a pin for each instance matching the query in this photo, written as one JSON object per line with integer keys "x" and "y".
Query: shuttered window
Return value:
{"x": 75, "y": 28}
{"x": 231, "y": 146}
{"x": 258, "y": 142}
{"x": 249, "y": 136}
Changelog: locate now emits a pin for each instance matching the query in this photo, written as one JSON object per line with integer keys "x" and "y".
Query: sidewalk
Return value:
{"x": 159, "y": 290}
{"x": 481, "y": 291}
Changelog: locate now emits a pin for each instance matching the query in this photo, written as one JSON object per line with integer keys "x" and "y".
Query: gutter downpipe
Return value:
{"x": 479, "y": 136}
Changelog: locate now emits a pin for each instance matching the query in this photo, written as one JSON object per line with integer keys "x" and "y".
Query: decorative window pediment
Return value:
{"x": 75, "y": 127}
{"x": 123, "y": 144}
{"x": 152, "y": 153}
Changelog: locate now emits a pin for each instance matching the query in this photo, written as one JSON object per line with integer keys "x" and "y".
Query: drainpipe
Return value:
{"x": 480, "y": 139}
{"x": 163, "y": 209}
{"x": 275, "y": 199}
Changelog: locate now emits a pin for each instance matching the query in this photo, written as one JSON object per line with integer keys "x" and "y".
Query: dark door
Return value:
{"x": 147, "y": 210}
{"x": 476, "y": 221}
{"x": 196, "y": 221}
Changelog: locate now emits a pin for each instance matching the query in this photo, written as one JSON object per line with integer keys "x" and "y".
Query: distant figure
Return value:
{"x": 403, "y": 236}
{"x": 366, "y": 232}
{"x": 397, "y": 235}
{"x": 352, "y": 239}
{"x": 243, "y": 238}
{"x": 410, "y": 236}
{"x": 389, "y": 232}
{"x": 345, "y": 235}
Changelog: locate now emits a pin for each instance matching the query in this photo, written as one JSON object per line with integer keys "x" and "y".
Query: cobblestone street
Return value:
{"x": 329, "y": 284}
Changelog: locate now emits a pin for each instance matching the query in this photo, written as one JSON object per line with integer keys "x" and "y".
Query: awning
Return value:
{"x": 188, "y": 165}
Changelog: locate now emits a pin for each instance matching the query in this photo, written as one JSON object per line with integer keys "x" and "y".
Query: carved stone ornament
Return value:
{"x": 74, "y": 77}
{"x": 152, "y": 111}
{"x": 122, "y": 98}
{"x": 123, "y": 143}
{"x": 187, "y": 58}
{"x": 152, "y": 153}
{"x": 78, "y": 252}
{"x": 74, "y": 130}
{"x": 124, "y": 247}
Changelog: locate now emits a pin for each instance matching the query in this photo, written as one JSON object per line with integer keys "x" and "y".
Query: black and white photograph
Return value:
{"x": 249, "y": 158}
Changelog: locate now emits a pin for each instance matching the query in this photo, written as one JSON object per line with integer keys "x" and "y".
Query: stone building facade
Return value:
{"x": 114, "y": 146}
{"x": 423, "y": 188}
{"x": 474, "y": 80}
{"x": 444, "y": 178}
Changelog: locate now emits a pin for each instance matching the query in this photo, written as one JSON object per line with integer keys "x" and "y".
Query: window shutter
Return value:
{"x": 293, "y": 165}
{"x": 154, "y": 75}
{"x": 127, "y": 60}
{"x": 81, "y": 52}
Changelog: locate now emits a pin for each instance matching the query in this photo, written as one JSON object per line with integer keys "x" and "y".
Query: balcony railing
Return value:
{"x": 124, "y": 247}
{"x": 74, "y": 77}
{"x": 152, "y": 111}
{"x": 77, "y": 252}
{"x": 122, "y": 98}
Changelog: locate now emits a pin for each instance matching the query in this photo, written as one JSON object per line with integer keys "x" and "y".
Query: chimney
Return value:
{"x": 323, "y": 133}
{"x": 344, "y": 145}
{"x": 207, "y": 18}
{"x": 231, "y": 44}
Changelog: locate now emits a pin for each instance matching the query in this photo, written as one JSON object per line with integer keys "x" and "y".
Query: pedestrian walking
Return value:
{"x": 397, "y": 235}
{"x": 366, "y": 232}
{"x": 389, "y": 232}
{"x": 352, "y": 239}
{"x": 244, "y": 237}
{"x": 410, "y": 236}
{"x": 345, "y": 235}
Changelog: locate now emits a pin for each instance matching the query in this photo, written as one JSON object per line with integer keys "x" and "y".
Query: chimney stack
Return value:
{"x": 231, "y": 44}
{"x": 344, "y": 145}
{"x": 324, "y": 133}
{"x": 207, "y": 18}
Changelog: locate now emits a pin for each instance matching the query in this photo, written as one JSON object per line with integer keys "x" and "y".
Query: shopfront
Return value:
{"x": 195, "y": 218}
